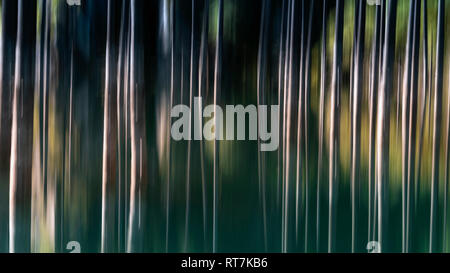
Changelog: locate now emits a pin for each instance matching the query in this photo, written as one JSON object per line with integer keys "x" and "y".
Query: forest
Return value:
{"x": 86, "y": 153}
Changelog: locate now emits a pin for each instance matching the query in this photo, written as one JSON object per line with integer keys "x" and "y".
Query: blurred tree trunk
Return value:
{"x": 22, "y": 129}
{"x": 437, "y": 116}
{"x": 109, "y": 188}
{"x": 137, "y": 126}
{"x": 7, "y": 56}
{"x": 423, "y": 105}
{"x": 43, "y": 194}
{"x": 261, "y": 91}
{"x": 382, "y": 131}
{"x": 357, "y": 94}
{"x": 413, "y": 125}
{"x": 320, "y": 161}
{"x": 61, "y": 57}
{"x": 217, "y": 93}
{"x": 375, "y": 78}
{"x": 336, "y": 84}
{"x": 122, "y": 121}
